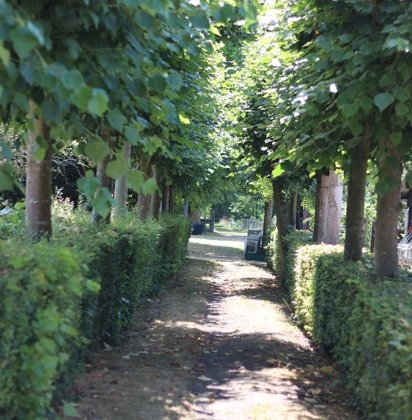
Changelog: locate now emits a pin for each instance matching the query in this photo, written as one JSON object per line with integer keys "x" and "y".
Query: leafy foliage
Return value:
{"x": 53, "y": 310}
{"x": 366, "y": 325}
{"x": 41, "y": 290}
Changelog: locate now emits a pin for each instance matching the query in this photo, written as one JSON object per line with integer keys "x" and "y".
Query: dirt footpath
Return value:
{"x": 217, "y": 344}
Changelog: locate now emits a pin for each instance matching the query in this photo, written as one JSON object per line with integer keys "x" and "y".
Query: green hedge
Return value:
{"x": 365, "y": 324}
{"x": 52, "y": 311}
{"x": 41, "y": 288}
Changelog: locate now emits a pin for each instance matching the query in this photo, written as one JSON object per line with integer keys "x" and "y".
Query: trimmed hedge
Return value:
{"x": 41, "y": 288}
{"x": 365, "y": 324}
{"x": 52, "y": 311}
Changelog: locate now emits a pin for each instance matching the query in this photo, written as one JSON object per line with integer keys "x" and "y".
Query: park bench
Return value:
{"x": 254, "y": 250}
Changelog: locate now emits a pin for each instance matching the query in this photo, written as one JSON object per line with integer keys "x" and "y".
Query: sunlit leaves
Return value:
{"x": 98, "y": 102}
{"x": 117, "y": 167}
{"x": 4, "y": 55}
{"x": 135, "y": 180}
{"x": 6, "y": 179}
{"x": 96, "y": 150}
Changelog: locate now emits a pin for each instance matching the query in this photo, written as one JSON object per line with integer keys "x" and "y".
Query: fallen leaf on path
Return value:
{"x": 108, "y": 347}
{"x": 204, "y": 378}
{"x": 315, "y": 391}
{"x": 327, "y": 370}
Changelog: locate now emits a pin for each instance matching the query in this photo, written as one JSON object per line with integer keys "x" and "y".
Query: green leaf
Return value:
{"x": 6, "y": 179}
{"x": 183, "y": 119}
{"x": 278, "y": 171}
{"x": 349, "y": 110}
{"x": 88, "y": 185}
{"x": 96, "y": 150}
{"x": 5, "y": 150}
{"x": 149, "y": 186}
{"x": 356, "y": 128}
{"x": 401, "y": 110}
{"x": 135, "y": 179}
{"x": 401, "y": 94}
{"x": 102, "y": 202}
{"x": 116, "y": 119}
{"x": 175, "y": 80}
{"x": 4, "y": 55}
{"x": 116, "y": 168}
{"x": 387, "y": 79}
{"x": 132, "y": 134}
{"x": 82, "y": 97}
{"x": 39, "y": 153}
{"x": 23, "y": 41}
{"x": 200, "y": 20}
{"x": 396, "y": 138}
{"x": 383, "y": 100}
{"x": 72, "y": 80}
{"x": 365, "y": 103}
{"x": 97, "y": 104}
{"x": 157, "y": 83}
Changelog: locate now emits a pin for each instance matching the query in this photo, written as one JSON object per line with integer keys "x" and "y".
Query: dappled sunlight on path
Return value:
{"x": 217, "y": 344}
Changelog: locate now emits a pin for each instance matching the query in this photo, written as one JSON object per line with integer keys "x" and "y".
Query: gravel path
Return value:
{"x": 219, "y": 343}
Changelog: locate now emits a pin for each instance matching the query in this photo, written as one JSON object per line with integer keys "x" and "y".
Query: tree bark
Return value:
{"x": 165, "y": 198}
{"x": 156, "y": 198}
{"x": 120, "y": 189}
{"x": 195, "y": 216}
{"x": 144, "y": 200}
{"x": 330, "y": 209}
{"x": 293, "y": 209}
{"x": 212, "y": 220}
{"x": 267, "y": 221}
{"x": 281, "y": 225}
{"x": 105, "y": 181}
{"x": 355, "y": 210}
{"x": 38, "y": 180}
{"x": 172, "y": 199}
{"x": 186, "y": 208}
{"x": 317, "y": 207}
{"x": 388, "y": 208}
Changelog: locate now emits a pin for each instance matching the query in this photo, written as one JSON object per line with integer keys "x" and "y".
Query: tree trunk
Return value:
{"x": 105, "y": 181}
{"x": 144, "y": 200}
{"x": 267, "y": 221}
{"x": 172, "y": 199}
{"x": 212, "y": 220}
{"x": 281, "y": 225}
{"x": 165, "y": 198}
{"x": 186, "y": 208}
{"x": 120, "y": 189}
{"x": 293, "y": 209}
{"x": 388, "y": 208}
{"x": 38, "y": 180}
{"x": 355, "y": 210}
{"x": 156, "y": 198}
{"x": 330, "y": 209}
{"x": 317, "y": 207}
{"x": 195, "y": 216}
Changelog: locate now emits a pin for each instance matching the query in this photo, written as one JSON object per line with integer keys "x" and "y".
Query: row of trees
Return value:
{"x": 118, "y": 81}
{"x": 326, "y": 87}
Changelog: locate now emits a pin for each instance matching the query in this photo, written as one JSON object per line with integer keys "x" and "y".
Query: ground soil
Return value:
{"x": 218, "y": 343}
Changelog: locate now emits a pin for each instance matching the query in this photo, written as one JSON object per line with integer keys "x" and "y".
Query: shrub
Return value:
{"x": 50, "y": 313}
{"x": 174, "y": 237}
{"x": 365, "y": 324}
{"x": 41, "y": 287}
{"x": 131, "y": 260}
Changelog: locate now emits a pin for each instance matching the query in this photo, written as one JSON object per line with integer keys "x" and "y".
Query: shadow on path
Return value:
{"x": 218, "y": 343}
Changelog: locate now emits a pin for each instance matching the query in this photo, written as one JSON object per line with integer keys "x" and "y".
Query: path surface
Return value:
{"x": 217, "y": 344}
